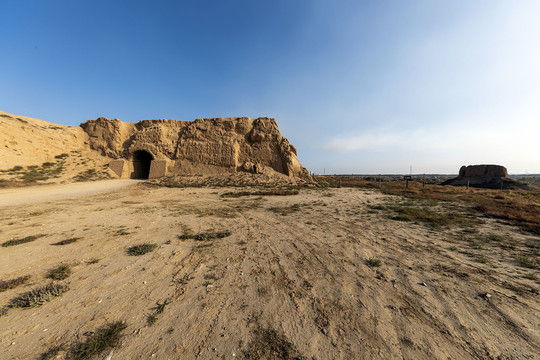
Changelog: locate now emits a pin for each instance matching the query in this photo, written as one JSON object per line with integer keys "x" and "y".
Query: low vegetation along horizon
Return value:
{"x": 521, "y": 207}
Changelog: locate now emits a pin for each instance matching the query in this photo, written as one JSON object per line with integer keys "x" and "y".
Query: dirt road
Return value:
{"x": 35, "y": 194}
{"x": 326, "y": 274}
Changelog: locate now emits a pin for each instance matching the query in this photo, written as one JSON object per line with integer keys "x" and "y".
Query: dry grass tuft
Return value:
{"x": 24, "y": 240}
{"x": 372, "y": 262}
{"x": 430, "y": 217}
{"x": 209, "y": 235}
{"x": 142, "y": 249}
{"x": 527, "y": 262}
{"x": 158, "y": 309}
{"x": 268, "y": 344}
{"x": 67, "y": 241}
{"x": 51, "y": 353}
{"x": 13, "y": 283}
{"x": 60, "y": 272}
{"x": 91, "y": 175}
{"x": 273, "y": 192}
{"x": 102, "y": 339}
{"x": 39, "y": 296}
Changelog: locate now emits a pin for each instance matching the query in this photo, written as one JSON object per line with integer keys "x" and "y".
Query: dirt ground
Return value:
{"x": 55, "y": 192}
{"x": 325, "y": 274}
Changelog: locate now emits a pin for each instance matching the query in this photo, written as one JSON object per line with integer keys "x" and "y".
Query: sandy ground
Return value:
{"x": 37, "y": 194}
{"x": 293, "y": 264}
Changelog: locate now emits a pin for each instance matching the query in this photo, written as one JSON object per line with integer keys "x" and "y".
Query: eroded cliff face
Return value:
{"x": 203, "y": 146}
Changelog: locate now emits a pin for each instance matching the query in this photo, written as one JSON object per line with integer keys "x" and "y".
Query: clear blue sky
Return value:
{"x": 356, "y": 86}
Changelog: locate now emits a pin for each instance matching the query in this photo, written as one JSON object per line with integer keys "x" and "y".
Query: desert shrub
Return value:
{"x": 102, "y": 339}
{"x": 493, "y": 237}
{"x": 91, "y": 175}
{"x": 212, "y": 235}
{"x": 209, "y": 235}
{"x": 60, "y": 272}
{"x": 377, "y": 207}
{"x": 277, "y": 192}
{"x": 13, "y": 283}
{"x": 121, "y": 232}
{"x": 67, "y": 241}
{"x": 142, "y": 249}
{"x": 51, "y": 353}
{"x": 85, "y": 175}
{"x": 527, "y": 262}
{"x": 16, "y": 168}
{"x": 8, "y": 183}
{"x": 39, "y": 296}
{"x": 61, "y": 156}
{"x": 34, "y": 174}
{"x": 481, "y": 259}
{"x": 158, "y": 309}
{"x": 372, "y": 262}
{"x": 24, "y": 240}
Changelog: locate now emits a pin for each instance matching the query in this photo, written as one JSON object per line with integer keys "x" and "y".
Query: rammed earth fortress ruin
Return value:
{"x": 155, "y": 148}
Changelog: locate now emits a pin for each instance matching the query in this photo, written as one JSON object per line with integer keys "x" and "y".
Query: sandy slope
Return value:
{"x": 27, "y": 141}
{"x": 294, "y": 264}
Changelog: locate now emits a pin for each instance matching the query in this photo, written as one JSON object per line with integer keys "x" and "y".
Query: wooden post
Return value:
{"x": 467, "y": 184}
{"x": 407, "y": 178}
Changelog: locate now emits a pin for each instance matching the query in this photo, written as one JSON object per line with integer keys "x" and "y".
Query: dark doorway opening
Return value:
{"x": 141, "y": 164}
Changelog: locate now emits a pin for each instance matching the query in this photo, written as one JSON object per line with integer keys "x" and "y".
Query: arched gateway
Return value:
{"x": 141, "y": 164}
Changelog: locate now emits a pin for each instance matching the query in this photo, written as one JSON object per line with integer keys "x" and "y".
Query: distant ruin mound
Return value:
{"x": 482, "y": 172}
{"x": 486, "y": 177}
{"x": 156, "y": 148}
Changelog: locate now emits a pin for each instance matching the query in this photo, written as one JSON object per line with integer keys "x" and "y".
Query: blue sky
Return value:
{"x": 356, "y": 86}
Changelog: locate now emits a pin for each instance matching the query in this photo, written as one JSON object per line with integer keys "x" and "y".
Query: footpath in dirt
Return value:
{"x": 41, "y": 193}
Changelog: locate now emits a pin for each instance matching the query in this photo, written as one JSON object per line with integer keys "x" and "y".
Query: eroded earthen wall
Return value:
{"x": 203, "y": 146}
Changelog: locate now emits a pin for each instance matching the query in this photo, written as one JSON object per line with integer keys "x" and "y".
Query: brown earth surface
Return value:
{"x": 325, "y": 274}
